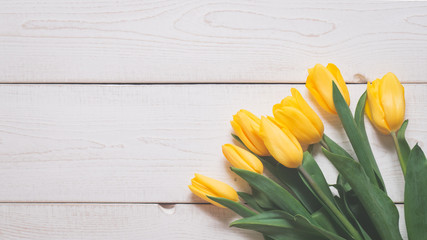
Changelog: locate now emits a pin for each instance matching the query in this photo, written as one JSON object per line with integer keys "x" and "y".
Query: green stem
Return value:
{"x": 324, "y": 144}
{"x": 353, "y": 232}
{"x": 399, "y": 153}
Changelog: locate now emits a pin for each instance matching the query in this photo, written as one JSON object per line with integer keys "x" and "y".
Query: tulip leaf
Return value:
{"x": 346, "y": 203}
{"x": 334, "y": 147}
{"x": 282, "y": 225}
{"x": 234, "y": 206}
{"x": 416, "y": 195}
{"x": 360, "y": 145}
{"x": 359, "y": 115}
{"x": 312, "y": 169}
{"x": 324, "y": 219}
{"x": 277, "y": 194}
{"x": 250, "y": 200}
{"x": 380, "y": 208}
{"x": 311, "y": 166}
{"x": 262, "y": 200}
{"x": 403, "y": 144}
{"x": 304, "y": 221}
{"x": 289, "y": 177}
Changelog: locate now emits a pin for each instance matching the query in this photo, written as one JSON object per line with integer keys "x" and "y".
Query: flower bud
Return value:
{"x": 203, "y": 186}
{"x": 241, "y": 158}
{"x": 319, "y": 83}
{"x": 281, "y": 144}
{"x": 385, "y": 105}
{"x": 246, "y": 126}
{"x": 295, "y": 113}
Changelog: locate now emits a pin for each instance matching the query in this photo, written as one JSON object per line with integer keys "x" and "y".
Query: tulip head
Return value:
{"x": 319, "y": 83}
{"x": 203, "y": 186}
{"x": 241, "y": 158}
{"x": 385, "y": 105}
{"x": 281, "y": 144}
{"x": 246, "y": 126}
{"x": 295, "y": 113}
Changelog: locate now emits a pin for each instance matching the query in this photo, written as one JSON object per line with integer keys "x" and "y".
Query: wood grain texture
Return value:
{"x": 209, "y": 41}
{"x": 142, "y": 143}
{"x": 130, "y": 222}
{"x": 124, "y": 221}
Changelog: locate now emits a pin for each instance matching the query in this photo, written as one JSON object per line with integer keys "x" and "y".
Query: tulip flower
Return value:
{"x": 295, "y": 113}
{"x": 246, "y": 126}
{"x": 203, "y": 186}
{"x": 386, "y": 103}
{"x": 281, "y": 144}
{"x": 241, "y": 158}
{"x": 319, "y": 83}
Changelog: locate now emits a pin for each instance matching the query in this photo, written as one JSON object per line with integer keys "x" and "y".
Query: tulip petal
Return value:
{"x": 202, "y": 186}
{"x": 308, "y": 111}
{"x": 391, "y": 95}
{"x": 240, "y": 158}
{"x": 246, "y": 126}
{"x": 339, "y": 80}
{"x": 299, "y": 125}
{"x": 376, "y": 112}
{"x": 282, "y": 145}
{"x": 319, "y": 83}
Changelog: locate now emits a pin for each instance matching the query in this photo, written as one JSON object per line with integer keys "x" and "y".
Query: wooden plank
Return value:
{"x": 142, "y": 143}
{"x": 124, "y": 221}
{"x": 210, "y": 40}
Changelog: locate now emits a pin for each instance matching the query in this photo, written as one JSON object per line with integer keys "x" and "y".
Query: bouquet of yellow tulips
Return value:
{"x": 296, "y": 202}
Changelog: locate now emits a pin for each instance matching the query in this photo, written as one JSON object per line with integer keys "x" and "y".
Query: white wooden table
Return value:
{"x": 107, "y": 108}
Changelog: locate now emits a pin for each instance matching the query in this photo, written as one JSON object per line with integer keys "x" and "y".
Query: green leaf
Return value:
{"x": 378, "y": 205}
{"x": 334, "y": 147}
{"x": 360, "y": 144}
{"x": 290, "y": 179}
{"x": 250, "y": 200}
{"x": 403, "y": 144}
{"x": 416, "y": 195}
{"x": 359, "y": 115}
{"x": 262, "y": 200}
{"x": 310, "y": 165}
{"x": 346, "y": 202}
{"x": 324, "y": 219}
{"x": 304, "y": 221}
{"x": 282, "y": 225}
{"x": 277, "y": 194}
{"x": 234, "y": 206}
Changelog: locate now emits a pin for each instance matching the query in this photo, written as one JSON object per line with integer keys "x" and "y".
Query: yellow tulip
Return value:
{"x": 241, "y": 158}
{"x": 281, "y": 144}
{"x": 246, "y": 126}
{"x": 295, "y": 113}
{"x": 385, "y": 105}
{"x": 319, "y": 83}
{"x": 203, "y": 186}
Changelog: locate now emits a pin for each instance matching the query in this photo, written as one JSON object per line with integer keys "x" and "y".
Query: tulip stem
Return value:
{"x": 324, "y": 144}
{"x": 350, "y": 228}
{"x": 399, "y": 153}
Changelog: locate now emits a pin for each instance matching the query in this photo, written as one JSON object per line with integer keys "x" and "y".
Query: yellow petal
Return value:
{"x": 376, "y": 112}
{"x": 298, "y": 124}
{"x": 281, "y": 144}
{"x": 308, "y": 111}
{"x": 339, "y": 80}
{"x": 319, "y": 83}
{"x": 391, "y": 94}
{"x": 240, "y": 158}
{"x": 203, "y": 186}
{"x": 246, "y": 126}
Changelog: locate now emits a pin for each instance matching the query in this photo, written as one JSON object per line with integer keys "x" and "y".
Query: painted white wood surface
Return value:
{"x": 209, "y": 40}
{"x": 123, "y": 221}
{"x": 142, "y": 143}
